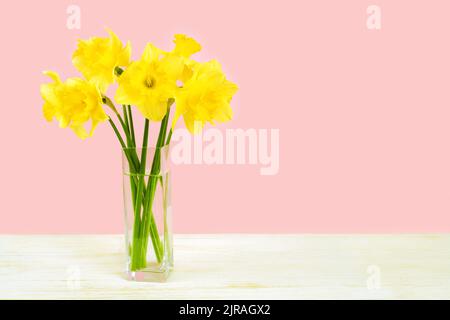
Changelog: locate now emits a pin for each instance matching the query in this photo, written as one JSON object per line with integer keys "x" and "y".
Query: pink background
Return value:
{"x": 363, "y": 116}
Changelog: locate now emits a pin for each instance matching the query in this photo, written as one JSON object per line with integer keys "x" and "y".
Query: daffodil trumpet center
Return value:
{"x": 118, "y": 71}
{"x": 149, "y": 82}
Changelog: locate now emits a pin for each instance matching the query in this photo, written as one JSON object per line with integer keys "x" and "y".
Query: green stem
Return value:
{"x": 131, "y": 144}
{"x": 130, "y": 121}
{"x": 136, "y": 252}
{"x": 122, "y": 143}
{"x": 132, "y": 152}
{"x": 169, "y": 137}
{"x": 129, "y": 158}
{"x": 148, "y": 221}
{"x": 125, "y": 117}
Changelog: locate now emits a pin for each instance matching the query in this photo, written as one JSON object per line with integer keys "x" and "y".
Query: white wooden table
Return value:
{"x": 231, "y": 267}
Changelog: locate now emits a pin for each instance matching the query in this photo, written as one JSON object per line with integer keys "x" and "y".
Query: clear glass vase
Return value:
{"x": 147, "y": 202}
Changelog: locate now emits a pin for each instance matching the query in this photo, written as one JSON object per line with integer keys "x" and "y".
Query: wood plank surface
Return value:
{"x": 231, "y": 266}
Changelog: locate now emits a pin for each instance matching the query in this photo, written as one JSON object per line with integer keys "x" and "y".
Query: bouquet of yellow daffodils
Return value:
{"x": 157, "y": 83}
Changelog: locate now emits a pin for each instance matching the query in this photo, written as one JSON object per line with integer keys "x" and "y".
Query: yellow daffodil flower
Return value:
{"x": 204, "y": 97}
{"x": 150, "y": 82}
{"x": 73, "y": 103}
{"x": 97, "y": 58}
{"x": 185, "y": 46}
{"x": 201, "y": 91}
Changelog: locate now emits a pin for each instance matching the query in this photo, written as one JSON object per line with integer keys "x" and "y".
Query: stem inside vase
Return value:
{"x": 143, "y": 199}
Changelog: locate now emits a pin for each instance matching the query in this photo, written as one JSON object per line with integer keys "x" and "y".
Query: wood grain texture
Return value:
{"x": 232, "y": 267}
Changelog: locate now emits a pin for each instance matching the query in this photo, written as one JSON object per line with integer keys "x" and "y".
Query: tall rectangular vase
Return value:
{"x": 148, "y": 216}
